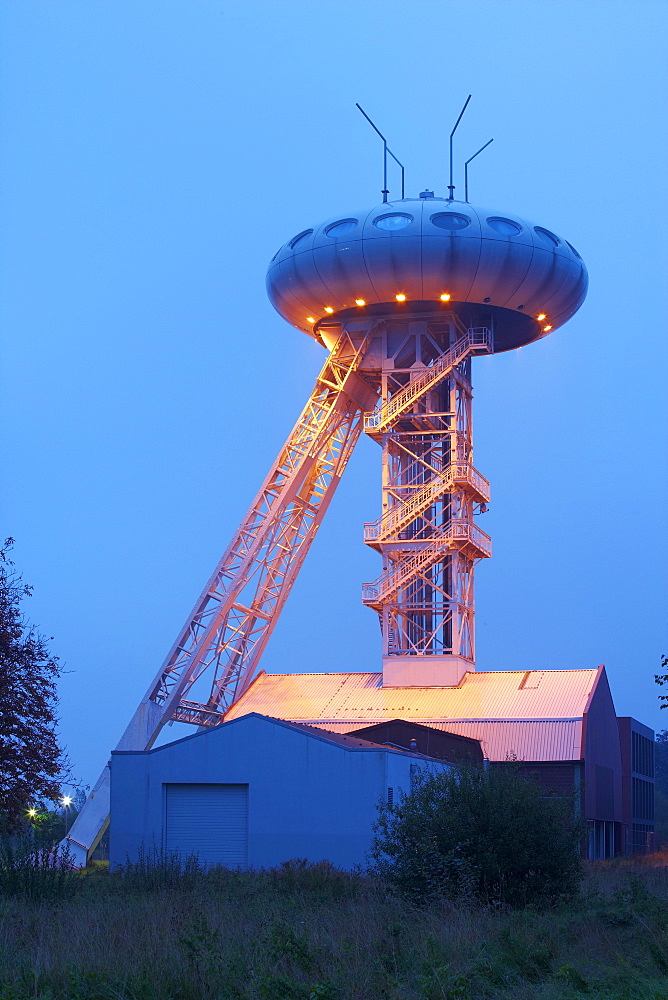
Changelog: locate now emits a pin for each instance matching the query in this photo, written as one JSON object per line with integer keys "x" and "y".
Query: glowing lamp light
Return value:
{"x": 445, "y": 297}
{"x": 540, "y": 317}
{"x": 400, "y": 297}
{"x": 310, "y": 319}
{"x": 328, "y": 309}
{"x": 546, "y": 329}
{"x": 360, "y": 302}
{"x": 32, "y": 813}
{"x": 66, "y": 800}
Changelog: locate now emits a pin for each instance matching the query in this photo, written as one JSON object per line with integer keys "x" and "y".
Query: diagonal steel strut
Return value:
{"x": 233, "y": 619}
{"x": 229, "y": 626}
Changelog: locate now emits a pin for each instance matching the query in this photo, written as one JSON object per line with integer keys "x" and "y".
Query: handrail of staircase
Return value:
{"x": 475, "y": 339}
{"x": 402, "y": 513}
{"x": 458, "y": 529}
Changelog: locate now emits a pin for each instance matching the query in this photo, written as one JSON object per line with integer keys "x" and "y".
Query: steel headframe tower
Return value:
{"x": 431, "y": 491}
{"x": 403, "y": 296}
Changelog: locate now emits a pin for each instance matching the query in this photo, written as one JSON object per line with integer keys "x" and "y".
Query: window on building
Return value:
{"x": 642, "y": 841}
{"x": 643, "y": 799}
{"x": 642, "y": 755}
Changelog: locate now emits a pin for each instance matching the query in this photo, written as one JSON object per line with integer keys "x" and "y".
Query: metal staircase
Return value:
{"x": 474, "y": 341}
{"x": 459, "y": 475}
{"x": 431, "y": 490}
{"x": 458, "y": 534}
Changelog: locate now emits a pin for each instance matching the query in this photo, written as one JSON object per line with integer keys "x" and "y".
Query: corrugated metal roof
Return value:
{"x": 299, "y": 696}
{"x": 526, "y": 740}
{"x": 360, "y": 697}
{"x": 340, "y": 738}
{"x": 536, "y": 740}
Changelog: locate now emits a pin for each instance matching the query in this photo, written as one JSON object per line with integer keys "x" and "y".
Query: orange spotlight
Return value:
{"x": 328, "y": 309}
{"x": 360, "y": 302}
{"x": 546, "y": 329}
{"x": 400, "y": 297}
{"x": 445, "y": 297}
{"x": 540, "y": 317}
{"x": 310, "y": 319}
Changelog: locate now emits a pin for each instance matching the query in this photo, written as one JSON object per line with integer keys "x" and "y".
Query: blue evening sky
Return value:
{"x": 155, "y": 155}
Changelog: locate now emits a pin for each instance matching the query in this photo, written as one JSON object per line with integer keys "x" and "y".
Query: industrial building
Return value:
{"x": 403, "y": 295}
{"x": 637, "y": 747}
{"x": 559, "y": 725}
{"x": 258, "y": 790}
{"x": 255, "y": 792}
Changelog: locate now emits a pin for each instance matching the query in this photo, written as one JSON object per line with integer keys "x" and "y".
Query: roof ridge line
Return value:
{"x": 427, "y": 687}
{"x": 445, "y": 722}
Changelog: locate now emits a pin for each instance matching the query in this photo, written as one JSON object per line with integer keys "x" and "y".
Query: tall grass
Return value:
{"x": 154, "y": 931}
{"x": 36, "y": 873}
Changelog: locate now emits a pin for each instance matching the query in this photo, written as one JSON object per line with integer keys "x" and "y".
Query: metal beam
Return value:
{"x": 230, "y": 625}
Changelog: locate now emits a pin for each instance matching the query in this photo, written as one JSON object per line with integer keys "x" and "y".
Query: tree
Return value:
{"x": 661, "y": 761}
{"x": 490, "y": 835}
{"x": 661, "y": 788}
{"x": 662, "y": 679}
{"x": 31, "y": 760}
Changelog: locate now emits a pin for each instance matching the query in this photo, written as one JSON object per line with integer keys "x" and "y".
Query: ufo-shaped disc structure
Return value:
{"x": 425, "y": 254}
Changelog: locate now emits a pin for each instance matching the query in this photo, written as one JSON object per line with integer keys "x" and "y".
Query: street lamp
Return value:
{"x": 33, "y": 817}
{"x": 66, "y": 802}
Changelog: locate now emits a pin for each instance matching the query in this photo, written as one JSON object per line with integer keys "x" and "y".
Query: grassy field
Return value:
{"x": 298, "y": 934}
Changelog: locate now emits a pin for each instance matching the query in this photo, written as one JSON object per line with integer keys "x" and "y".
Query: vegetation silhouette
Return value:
{"x": 487, "y": 835}
{"x": 32, "y": 763}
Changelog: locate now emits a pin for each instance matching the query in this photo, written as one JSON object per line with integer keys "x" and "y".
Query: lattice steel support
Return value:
{"x": 426, "y": 533}
{"x": 229, "y": 627}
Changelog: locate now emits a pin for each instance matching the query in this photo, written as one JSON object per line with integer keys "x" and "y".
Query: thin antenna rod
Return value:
{"x": 451, "y": 186}
{"x": 466, "y": 170}
{"x": 386, "y": 150}
{"x": 402, "y": 170}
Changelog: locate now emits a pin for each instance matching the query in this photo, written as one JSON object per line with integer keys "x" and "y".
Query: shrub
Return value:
{"x": 488, "y": 836}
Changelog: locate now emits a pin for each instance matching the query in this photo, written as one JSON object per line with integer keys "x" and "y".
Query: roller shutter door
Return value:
{"x": 210, "y": 821}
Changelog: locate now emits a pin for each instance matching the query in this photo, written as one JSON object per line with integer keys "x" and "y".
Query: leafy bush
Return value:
{"x": 487, "y": 836}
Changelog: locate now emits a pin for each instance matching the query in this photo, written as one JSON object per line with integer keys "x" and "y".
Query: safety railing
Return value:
{"x": 458, "y": 533}
{"x": 464, "y": 531}
{"x": 477, "y": 340}
{"x": 459, "y": 474}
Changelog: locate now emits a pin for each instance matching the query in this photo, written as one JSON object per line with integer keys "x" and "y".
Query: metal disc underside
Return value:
{"x": 430, "y": 253}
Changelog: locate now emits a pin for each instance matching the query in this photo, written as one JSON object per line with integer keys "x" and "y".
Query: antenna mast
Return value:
{"x": 466, "y": 170}
{"x": 451, "y": 186}
{"x": 386, "y": 150}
